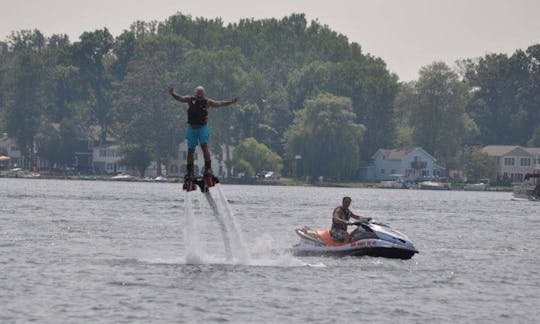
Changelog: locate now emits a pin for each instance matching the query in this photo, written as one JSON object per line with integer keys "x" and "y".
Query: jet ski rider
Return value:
{"x": 340, "y": 221}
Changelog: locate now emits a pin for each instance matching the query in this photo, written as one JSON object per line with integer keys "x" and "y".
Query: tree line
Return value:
{"x": 312, "y": 102}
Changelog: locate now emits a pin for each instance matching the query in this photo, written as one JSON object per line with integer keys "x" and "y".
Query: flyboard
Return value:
{"x": 204, "y": 184}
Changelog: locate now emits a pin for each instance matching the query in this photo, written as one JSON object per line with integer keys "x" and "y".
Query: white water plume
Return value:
{"x": 263, "y": 251}
{"x": 222, "y": 222}
{"x": 191, "y": 239}
{"x": 239, "y": 247}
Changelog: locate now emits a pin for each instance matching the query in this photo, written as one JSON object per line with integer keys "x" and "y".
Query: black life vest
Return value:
{"x": 345, "y": 214}
{"x": 197, "y": 111}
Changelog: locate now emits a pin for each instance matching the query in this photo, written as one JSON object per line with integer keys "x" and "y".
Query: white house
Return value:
{"x": 8, "y": 148}
{"x": 412, "y": 163}
{"x": 106, "y": 159}
{"x": 514, "y": 161}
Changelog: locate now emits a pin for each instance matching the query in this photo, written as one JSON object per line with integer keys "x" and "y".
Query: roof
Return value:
{"x": 533, "y": 150}
{"x": 501, "y": 150}
{"x": 399, "y": 154}
{"x": 498, "y": 150}
{"x": 107, "y": 145}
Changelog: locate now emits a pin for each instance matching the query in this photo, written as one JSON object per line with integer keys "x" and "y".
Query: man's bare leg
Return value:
{"x": 190, "y": 162}
{"x": 207, "y": 158}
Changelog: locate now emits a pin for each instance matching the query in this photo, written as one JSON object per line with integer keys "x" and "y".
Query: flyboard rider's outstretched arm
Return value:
{"x": 177, "y": 96}
{"x": 221, "y": 103}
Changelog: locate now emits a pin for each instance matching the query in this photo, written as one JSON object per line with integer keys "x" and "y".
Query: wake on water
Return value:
{"x": 235, "y": 248}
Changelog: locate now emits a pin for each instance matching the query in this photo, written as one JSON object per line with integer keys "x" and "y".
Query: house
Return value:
{"x": 8, "y": 148}
{"x": 514, "y": 161}
{"x": 87, "y": 137}
{"x": 412, "y": 163}
{"x": 83, "y": 151}
{"x": 106, "y": 159}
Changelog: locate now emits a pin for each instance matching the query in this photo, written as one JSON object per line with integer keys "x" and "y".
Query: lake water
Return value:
{"x": 112, "y": 252}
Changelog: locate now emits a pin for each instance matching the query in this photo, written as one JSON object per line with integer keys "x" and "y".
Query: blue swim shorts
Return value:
{"x": 196, "y": 136}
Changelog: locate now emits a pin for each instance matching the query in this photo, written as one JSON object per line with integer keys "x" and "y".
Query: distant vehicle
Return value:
{"x": 268, "y": 175}
{"x": 271, "y": 175}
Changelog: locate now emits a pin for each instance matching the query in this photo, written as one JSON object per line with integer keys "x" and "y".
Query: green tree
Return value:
{"x": 366, "y": 81}
{"x": 505, "y": 100}
{"x": 147, "y": 120}
{"x": 58, "y": 143}
{"x": 124, "y": 48}
{"x": 404, "y": 103}
{"x": 534, "y": 141}
{"x": 243, "y": 166}
{"x": 326, "y": 138}
{"x": 136, "y": 156}
{"x": 478, "y": 165}
{"x": 88, "y": 55}
{"x": 24, "y": 99}
{"x": 277, "y": 116}
{"x": 251, "y": 155}
{"x": 438, "y": 118}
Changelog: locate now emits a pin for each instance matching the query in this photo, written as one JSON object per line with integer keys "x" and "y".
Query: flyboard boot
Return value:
{"x": 189, "y": 182}
{"x": 208, "y": 176}
{"x": 209, "y": 179}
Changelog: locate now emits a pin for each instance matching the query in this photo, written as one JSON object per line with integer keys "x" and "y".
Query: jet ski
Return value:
{"x": 373, "y": 239}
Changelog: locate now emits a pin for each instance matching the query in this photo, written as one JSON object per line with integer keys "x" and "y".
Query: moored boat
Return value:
{"x": 434, "y": 185}
{"x": 529, "y": 188}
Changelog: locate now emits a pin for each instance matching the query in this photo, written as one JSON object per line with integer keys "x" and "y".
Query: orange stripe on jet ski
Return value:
{"x": 325, "y": 237}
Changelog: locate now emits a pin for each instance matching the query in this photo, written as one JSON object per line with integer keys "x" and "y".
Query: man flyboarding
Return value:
{"x": 197, "y": 132}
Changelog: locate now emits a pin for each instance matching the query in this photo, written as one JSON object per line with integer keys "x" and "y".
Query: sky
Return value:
{"x": 406, "y": 34}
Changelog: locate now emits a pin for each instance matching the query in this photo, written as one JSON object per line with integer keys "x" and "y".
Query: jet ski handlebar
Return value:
{"x": 359, "y": 223}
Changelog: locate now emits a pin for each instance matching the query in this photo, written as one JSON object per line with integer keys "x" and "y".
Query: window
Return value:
{"x": 102, "y": 152}
{"x": 392, "y": 171}
{"x": 382, "y": 171}
{"x": 519, "y": 177}
{"x": 525, "y": 161}
{"x": 508, "y": 161}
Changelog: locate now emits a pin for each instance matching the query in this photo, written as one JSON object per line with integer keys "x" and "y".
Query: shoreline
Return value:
{"x": 233, "y": 181}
